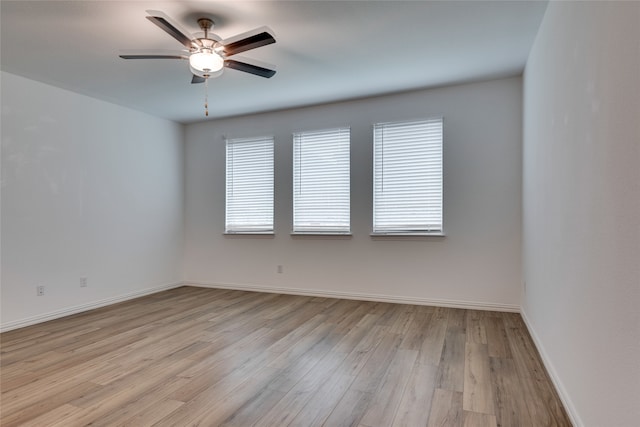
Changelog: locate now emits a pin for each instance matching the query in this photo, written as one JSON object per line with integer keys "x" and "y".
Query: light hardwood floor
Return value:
{"x": 208, "y": 357}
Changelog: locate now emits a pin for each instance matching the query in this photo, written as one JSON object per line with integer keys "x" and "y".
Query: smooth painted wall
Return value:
{"x": 89, "y": 189}
{"x": 479, "y": 260}
{"x": 582, "y": 206}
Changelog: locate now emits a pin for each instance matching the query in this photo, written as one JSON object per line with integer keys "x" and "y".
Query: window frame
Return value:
{"x": 398, "y": 229}
{"x": 256, "y": 228}
{"x": 315, "y": 137}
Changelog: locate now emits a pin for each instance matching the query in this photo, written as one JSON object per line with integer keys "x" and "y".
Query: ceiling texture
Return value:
{"x": 326, "y": 51}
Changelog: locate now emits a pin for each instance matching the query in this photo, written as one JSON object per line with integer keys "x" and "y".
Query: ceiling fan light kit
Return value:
{"x": 205, "y": 60}
{"x": 204, "y": 63}
{"x": 208, "y": 55}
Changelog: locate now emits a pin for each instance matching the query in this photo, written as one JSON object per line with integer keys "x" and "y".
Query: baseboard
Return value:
{"x": 472, "y": 305}
{"x": 562, "y": 392}
{"x": 16, "y": 324}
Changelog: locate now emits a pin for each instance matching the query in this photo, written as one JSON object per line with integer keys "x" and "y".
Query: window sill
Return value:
{"x": 321, "y": 235}
{"x": 250, "y": 234}
{"x": 407, "y": 236}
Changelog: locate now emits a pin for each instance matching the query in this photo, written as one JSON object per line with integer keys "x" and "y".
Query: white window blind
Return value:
{"x": 407, "y": 175}
{"x": 321, "y": 181}
{"x": 249, "y": 203}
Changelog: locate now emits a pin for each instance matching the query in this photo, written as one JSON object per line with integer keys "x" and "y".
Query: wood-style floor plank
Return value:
{"x": 543, "y": 402}
{"x": 386, "y": 400}
{"x": 298, "y": 395}
{"x": 451, "y": 366}
{"x": 497, "y": 340}
{"x": 475, "y": 419}
{"x": 211, "y": 357}
{"x": 446, "y": 409}
{"x": 415, "y": 405}
{"x": 477, "y": 394}
{"x": 506, "y": 386}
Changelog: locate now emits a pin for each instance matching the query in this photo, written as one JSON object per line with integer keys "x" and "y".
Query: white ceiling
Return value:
{"x": 325, "y": 51}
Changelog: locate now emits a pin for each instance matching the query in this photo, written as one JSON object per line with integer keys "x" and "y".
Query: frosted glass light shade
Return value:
{"x": 205, "y": 63}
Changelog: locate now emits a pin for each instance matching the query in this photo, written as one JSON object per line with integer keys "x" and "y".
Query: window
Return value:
{"x": 249, "y": 204}
{"x": 407, "y": 177}
{"x": 321, "y": 181}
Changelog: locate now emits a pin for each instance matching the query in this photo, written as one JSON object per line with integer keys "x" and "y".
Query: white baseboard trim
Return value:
{"x": 472, "y": 305}
{"x": 562, "y": 392}
{"x": 16, "y": 324}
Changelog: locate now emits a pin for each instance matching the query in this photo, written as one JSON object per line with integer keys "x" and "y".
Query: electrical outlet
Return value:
{"x": 40, "y": 290}
{"x": 279, "y": 269}
{"x": 83, "y": 282}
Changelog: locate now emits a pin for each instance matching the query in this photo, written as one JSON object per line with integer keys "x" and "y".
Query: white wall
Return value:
{"x": 582, "y": 206}
{"x": 89, "y": 189}
{"x": 479, "y": 262}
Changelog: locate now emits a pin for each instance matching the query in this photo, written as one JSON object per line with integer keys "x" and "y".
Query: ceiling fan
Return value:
{"x": 208, "y": 55}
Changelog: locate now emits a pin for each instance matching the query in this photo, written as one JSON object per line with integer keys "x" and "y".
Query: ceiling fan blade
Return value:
{"x": 170, "y": 27}
{"x": 153, "y": 54}
{"x": 152, "y": 57}
{"x": 197, "y": 79}
{"x": 247, "y": 41}
{"x": 249, "y": 68}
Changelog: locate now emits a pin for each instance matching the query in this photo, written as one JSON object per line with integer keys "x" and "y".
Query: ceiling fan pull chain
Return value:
{"x": 206, "y": 97}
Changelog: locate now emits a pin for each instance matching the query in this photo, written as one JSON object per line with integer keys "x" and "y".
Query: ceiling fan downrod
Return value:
{"x": 205, "y": 24}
